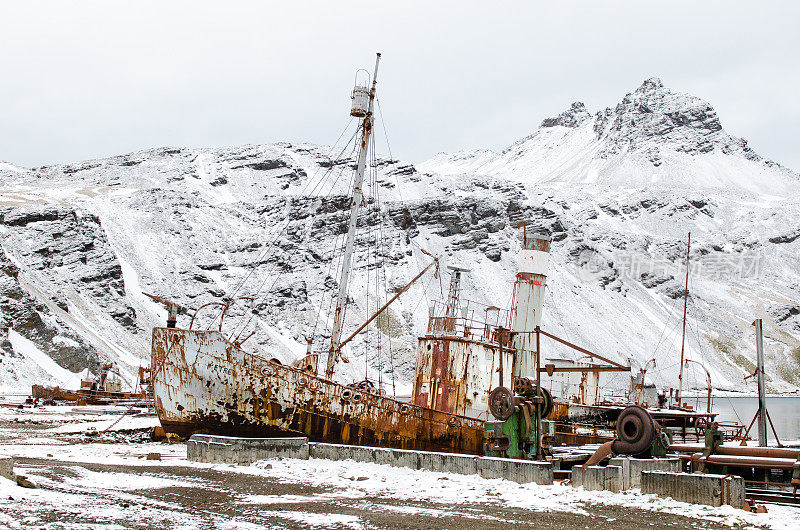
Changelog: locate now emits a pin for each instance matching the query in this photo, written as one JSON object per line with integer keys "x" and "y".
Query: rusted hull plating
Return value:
{"x": 203, "y": 383}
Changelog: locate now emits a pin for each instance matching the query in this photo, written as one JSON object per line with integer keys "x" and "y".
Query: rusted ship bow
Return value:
{"x": 203, "y": 383}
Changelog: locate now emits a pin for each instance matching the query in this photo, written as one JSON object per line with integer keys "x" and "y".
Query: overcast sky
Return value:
{"x": 82, "y": 80}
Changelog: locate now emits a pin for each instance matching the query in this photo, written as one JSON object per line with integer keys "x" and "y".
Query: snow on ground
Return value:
{"x": 415, "y": 485}
{"x": 346, "y": 480}
{"x": 117, "y": 423}
{"x": 88, "y": 482}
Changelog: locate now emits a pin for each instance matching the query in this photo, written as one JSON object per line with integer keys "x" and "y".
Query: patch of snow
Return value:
{"x": 58, "y": 375}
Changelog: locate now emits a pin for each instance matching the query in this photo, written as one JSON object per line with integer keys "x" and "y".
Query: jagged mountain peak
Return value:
{"x": 649, "y": 85}
{"x": 654, "y": 136}
{"x": 574, "y": 116}
{"x": 654, "y": 117}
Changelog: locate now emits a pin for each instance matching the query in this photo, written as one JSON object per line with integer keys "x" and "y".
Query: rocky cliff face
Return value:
{"x": 654, "y": 118}
{"x": 617, "y": 190}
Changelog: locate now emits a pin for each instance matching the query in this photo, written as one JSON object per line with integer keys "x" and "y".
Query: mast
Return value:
{"x": 762, "y": 400}
{"x": 366, "y": 129}
{"x": 683, "y": 337}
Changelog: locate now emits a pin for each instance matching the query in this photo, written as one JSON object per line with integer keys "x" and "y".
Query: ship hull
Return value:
{"x": 204, "y": 384}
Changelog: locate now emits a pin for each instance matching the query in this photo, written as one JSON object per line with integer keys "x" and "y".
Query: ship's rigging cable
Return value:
{"x": 372, "y": 262}
{"x": 375, "y": 241}
{"x": 278, "y": 276}
{"x": 382, "y": 253}
{"x": 373, "y": 233}
{"x": 385, "y": 134}
{"x": 254, "y": 264}
{"x": 727, "y": 397}
{"x": 328, "y": 271}
{"x": 338, "y": 252}
{"x": 667, "y": 338}
{"x": 400, "y": 200}
{"x": 240, "y": 327}
{"x": 387, "y": 319}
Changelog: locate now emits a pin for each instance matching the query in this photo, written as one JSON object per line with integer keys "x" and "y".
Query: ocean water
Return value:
{"x": 784, "y": 411}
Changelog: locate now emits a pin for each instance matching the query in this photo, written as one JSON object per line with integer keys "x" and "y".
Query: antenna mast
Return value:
{"x": 363, "y": 99}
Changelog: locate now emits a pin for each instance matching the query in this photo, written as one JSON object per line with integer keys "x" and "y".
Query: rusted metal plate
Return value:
{"x": 455, "y": 375}
{"x": 203, "y": 383}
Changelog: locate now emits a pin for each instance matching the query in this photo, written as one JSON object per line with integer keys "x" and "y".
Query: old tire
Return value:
{"x": 635, "y": 431}
{"x": 547, "y": 406}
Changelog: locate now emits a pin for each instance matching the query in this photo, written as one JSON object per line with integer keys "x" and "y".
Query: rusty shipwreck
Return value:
{"x": 477, "y": 387}
{"x": 204, "y": 381}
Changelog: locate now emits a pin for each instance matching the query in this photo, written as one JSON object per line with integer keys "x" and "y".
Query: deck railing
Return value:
{"x": 468, "y": 320}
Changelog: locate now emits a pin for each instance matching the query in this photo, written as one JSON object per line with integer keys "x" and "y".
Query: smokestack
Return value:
{"x": 528, "y": 299}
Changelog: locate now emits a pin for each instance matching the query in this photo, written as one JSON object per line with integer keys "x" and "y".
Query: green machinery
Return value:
{"x": 512, "y": 432}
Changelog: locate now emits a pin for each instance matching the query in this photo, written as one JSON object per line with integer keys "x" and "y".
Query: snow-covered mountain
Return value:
{"x": 617, "y": 190}
{"x": 653, "y": 137}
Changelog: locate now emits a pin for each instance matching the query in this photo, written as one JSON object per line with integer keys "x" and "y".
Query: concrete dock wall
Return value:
{"x": 657, "y": 476}
{"x": 522, "y": 471}
{"x": 244, "y": 451}
{"x": 598, "y": 478}
{"x": 697, "y": 488}
{"x": 632, "y": 468}
{"x": 661, "y": 476}
{"x": 344, "y": 452}
{"x": 231, "y": 450}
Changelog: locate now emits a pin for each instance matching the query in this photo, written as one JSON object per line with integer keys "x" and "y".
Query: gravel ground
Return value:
{"x": 90, "y": 481}
{"x": 207, "y": 501}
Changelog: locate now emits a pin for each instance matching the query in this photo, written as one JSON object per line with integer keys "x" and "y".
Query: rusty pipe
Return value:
{"x": 768, "y": 452}
{"x": 603, "y": 452}
{"x": 745, "y": 461}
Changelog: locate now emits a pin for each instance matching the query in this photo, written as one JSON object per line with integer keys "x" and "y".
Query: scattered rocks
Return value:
{"x": 7, "y": 467}
{"x": 23, "y": 481}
